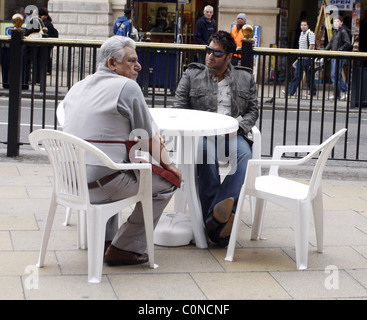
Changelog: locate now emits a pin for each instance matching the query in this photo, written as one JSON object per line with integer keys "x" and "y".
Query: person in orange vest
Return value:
{"x": 237, "y": 35}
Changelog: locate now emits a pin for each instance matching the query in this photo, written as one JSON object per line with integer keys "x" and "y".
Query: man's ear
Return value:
{"x": 111, "y": 63}
{"x": 229, "y": 56}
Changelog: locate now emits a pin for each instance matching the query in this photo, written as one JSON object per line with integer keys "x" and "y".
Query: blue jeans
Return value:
{"x": 298, "y": 74}
{"x": 341, "y": 83}
{"x": 211, "y": 149}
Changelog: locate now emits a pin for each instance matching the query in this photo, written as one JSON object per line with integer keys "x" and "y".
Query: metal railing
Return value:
{"x": 300, "y": 119}
{"x": 308, "y": 119}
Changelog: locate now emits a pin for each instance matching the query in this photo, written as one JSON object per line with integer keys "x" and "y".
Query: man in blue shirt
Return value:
{"x": 122, "y": 26}
{"x": 204, "y": 28}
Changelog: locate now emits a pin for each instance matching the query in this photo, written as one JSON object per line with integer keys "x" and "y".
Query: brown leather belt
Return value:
{"x": 101, "y": 182}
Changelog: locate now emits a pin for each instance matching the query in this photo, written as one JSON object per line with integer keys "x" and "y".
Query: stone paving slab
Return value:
{"x": 263, "y": 269}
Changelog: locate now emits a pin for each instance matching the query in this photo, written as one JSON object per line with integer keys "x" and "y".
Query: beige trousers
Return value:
{"x": 131, "y": 235}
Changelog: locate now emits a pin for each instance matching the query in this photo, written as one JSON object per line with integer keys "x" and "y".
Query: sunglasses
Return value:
{"x": 217, "y": 53}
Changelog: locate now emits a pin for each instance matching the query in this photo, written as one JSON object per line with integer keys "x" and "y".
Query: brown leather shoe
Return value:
{"x": 219, "y": 224}
{"x": 221, "y": 213}
{"x": 227, "y": 228}
{"x": 106, "y": 245}
{"x": 222, "y": 210}
{"x": 116, "y": 257}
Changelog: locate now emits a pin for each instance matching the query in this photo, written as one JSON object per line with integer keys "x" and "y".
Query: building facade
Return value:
{"x": 93, "y": 19}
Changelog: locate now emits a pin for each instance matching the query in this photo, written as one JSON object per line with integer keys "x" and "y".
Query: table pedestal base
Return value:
{"x": 173, "y": 230}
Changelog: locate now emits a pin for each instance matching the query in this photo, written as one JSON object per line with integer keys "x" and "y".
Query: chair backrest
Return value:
{"x": 324, "y": 151}
{"x": 66, "y": 154}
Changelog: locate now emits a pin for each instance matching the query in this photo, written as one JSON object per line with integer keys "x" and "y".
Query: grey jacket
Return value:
{"x": 198, "y": 89}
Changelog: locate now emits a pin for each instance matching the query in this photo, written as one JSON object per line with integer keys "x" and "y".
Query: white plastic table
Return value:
{"x": 188, "y": 125}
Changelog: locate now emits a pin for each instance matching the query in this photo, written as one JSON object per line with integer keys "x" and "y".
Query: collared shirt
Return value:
{"x": 224, "y": 98}
{"x": 306, "y": 39}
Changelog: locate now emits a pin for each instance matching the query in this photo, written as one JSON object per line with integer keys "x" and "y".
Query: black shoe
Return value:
{"x": 223, "y": 242}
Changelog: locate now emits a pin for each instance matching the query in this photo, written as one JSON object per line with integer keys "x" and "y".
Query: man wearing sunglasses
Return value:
{"x": 220, "y": 87}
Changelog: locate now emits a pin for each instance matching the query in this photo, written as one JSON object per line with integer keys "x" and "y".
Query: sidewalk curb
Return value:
{"x": 334, "y": 171}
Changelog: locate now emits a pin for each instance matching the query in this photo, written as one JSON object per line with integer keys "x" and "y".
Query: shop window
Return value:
{"x": 159, "y": 19}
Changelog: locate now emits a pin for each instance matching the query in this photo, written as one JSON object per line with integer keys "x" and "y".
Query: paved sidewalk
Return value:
{"x": 263, "y": 269}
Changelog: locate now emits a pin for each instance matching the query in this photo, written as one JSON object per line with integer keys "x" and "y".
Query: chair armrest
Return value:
{"x": 130, "y": 166}
{"x": 254, "y": 165}
{"x": 272, "y": 162}
{"x": 280, "y": 150}
{"x": 145, "y": 175}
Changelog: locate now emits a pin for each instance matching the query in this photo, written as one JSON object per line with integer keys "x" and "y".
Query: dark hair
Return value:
{"x": 127, "y": 12}
{"x": 44, "y": 12}
{"x": 305, "y": 20}
{"x": 225, "y": 39}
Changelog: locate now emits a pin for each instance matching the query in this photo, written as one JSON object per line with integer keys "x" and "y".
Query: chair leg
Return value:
{"x": 82, "y": 230}
{"x": 301, "y": 228}
{"x": 318, "y": 213}
{"x": 96, "y": 236}
{"x": 258, "y": 219}
{"x": 47, "y": 231}
{"x": 252, "y": 208}
{"x": 67, "y": 216}
{"x": 236, "y": 226}
{"x": 149, "y": 229}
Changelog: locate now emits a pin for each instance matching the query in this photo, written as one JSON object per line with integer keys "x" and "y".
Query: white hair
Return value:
{"x": 208, "y": 7}
{"x": 114, "y": 47}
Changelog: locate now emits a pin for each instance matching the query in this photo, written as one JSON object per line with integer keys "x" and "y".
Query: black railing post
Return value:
{"x": 15, "y": 87}
{"x": 43, "y": 56}
{"x": 247, "y": 52}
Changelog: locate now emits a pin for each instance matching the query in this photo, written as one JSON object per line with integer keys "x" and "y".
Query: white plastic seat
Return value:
{"x": 66, "y": 154}
{"x": 299, "y": 198}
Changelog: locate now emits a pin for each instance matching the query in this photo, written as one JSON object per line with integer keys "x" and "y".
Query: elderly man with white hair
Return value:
{"x": 108, "y": 109}
{"x": 204, "y": 28}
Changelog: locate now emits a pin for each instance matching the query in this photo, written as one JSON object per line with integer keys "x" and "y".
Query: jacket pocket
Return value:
{"x": 242, "y": 98}
{"x": 197, "y": 92}
{"x": 198, "y": 98}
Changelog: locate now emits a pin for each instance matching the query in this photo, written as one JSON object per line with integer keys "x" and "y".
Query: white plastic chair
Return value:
{"x": 60, "y": 114}
{"x": 297, "y": 197}
{"x": 66, "y": 154}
